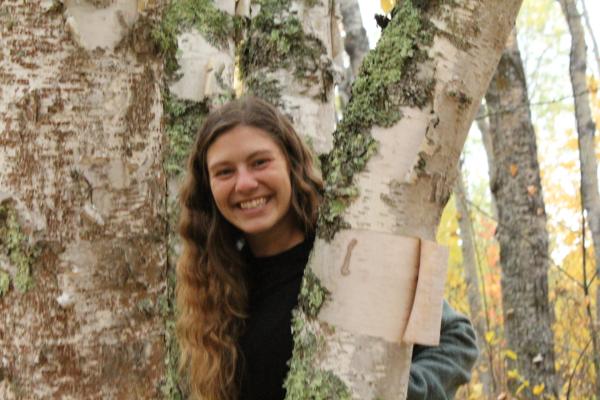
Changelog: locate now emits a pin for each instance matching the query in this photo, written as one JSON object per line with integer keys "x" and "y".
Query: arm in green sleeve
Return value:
{"x": 436, "y": 372}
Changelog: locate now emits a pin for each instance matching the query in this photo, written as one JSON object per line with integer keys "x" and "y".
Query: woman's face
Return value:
{"x": 250, "y": 183}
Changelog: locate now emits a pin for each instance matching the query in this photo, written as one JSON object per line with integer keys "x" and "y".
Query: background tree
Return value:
{"x": 587, "y": 157}
{"x": 521, "y": 231}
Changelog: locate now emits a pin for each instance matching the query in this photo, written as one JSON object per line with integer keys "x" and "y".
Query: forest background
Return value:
{"x": 47, "y": 268}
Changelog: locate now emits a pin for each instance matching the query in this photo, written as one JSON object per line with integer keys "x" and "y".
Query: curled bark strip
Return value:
{"x": 346, "y": 265}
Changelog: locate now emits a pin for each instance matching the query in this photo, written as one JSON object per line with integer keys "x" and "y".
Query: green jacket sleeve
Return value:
{"x": 436, "y": 372}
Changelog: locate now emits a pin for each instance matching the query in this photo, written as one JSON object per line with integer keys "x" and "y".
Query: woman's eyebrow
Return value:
{"x": 218, "y": 163}
{"x": 265, "y": 152}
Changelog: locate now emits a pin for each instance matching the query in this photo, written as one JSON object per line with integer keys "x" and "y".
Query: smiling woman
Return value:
{"x": 250, "y": 178}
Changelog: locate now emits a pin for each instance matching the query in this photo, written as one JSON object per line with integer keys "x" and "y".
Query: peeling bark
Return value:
{"x": 81, "y": 135}
{"x": 587, "y": 157}
{"x": 521, "y": 231}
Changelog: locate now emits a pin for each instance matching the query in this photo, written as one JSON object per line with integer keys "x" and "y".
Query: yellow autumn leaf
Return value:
{"x": 538, "y": 389}
{"x": 532, "y": 190}
{"x": 387, "y": 5}
{"x": 476, "y": 391}
{"x": 523, "y": 386}
{"x": 490, "y": 336}
{"x": 510, "y": 354}
{"x": 513, "y": 374}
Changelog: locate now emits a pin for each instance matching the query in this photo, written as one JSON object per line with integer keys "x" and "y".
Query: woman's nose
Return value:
{"x": 245, "y": 181}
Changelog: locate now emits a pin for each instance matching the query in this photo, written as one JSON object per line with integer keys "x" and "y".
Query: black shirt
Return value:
{"x": 266, "y": 344}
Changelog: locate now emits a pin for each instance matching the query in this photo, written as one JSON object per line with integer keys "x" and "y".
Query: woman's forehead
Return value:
{"x": 239, "y": 143}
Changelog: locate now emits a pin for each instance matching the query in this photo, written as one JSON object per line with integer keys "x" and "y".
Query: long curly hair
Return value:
{"x": 211, "y": 290}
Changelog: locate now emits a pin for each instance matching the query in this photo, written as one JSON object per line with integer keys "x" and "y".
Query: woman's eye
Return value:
{"x": 223, "y": 172}
{"x": 260, "y": 162}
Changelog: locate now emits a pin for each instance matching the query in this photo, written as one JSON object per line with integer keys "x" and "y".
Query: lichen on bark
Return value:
{"x": 304, "y": 381}
{"x": 215, "y": 25}
{"x": 15, "y": 245}
{"x": 183, "y": 118}
{"x": 171, "y": 386}
{"x": 390, "y": 77}
{"x": 4, "y": 283}
{"x": 275, "y": 39}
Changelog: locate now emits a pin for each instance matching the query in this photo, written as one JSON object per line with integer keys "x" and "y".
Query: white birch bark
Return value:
{"x": 81, "y": 136}
{"x": 402, "y": 193}
{"x": 587, "y": 157}
{"x": 302, "y": 87}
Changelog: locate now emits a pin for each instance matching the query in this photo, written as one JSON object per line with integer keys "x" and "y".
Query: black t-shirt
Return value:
{"x": 266, "y": 344}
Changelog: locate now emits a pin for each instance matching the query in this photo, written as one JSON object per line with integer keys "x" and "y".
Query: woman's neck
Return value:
{"x": 272, "y": 243}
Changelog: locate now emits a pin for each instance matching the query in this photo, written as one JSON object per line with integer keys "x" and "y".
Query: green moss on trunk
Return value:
{"x": 215, "y": 25}
{"x": 4, "y": 283}
{"x": 389, "y": 78}
{"x": 275, "y": 39}
{"x": 14, "y": 244}
{"x": 171, "y": 387}
{"x": 182, "y": 120}
{"x": 304, "y": 381}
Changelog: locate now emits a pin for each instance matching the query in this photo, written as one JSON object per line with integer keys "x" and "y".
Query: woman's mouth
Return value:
{"x": 254, "y": 203}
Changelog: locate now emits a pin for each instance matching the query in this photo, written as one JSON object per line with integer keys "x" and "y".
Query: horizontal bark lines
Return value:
{"x": 81, "y": 163}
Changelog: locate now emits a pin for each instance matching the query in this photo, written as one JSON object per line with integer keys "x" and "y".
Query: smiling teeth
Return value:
{"x": 253, "y": 203}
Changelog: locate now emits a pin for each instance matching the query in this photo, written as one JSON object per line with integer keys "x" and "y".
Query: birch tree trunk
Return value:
{"x": 587, "y": 157}
{"x": 389, "y": 175}
{"x": 82, "y": 189}
{"x": 474, "y": 296}
{"x": 287, "y": 57}
{"x": 521, "y": 231}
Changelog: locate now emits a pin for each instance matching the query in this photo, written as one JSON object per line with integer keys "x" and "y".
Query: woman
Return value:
{"x": 249, "y": 206}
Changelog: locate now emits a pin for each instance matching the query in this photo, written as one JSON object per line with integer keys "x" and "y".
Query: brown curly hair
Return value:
{"x": 211, "y": 290}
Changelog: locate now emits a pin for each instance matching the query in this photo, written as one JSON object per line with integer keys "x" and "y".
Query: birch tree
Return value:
{"x": 587, "y": 157}
{"x": 82, "y": 189}
{"x": 412, "y": 110}
{"x": 521, "y": 232}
